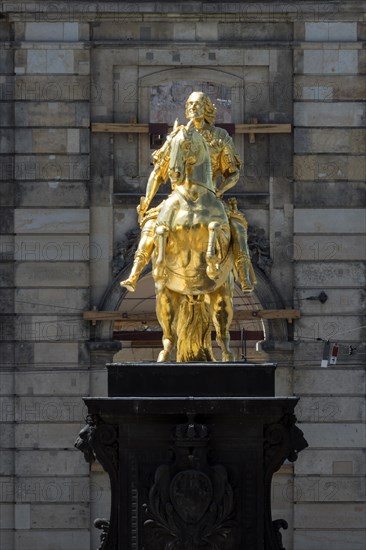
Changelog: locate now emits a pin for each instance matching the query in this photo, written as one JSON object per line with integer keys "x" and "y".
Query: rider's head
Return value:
{"x": 199, "y": 102}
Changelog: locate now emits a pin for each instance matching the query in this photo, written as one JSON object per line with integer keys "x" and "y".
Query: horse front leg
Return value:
{"x": 213, "y": 267}
{"x": 167, "y": 306}
{"x": 221, "y": 303}
{"x": 159, "y": 269}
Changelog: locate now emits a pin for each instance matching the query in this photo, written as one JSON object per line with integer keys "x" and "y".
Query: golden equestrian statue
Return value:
{"x": 196, "y": 241}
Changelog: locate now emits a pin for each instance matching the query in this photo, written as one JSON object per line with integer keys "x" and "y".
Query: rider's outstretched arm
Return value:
{"x": 152, "y": 186}
{"x": 158, "y": 176}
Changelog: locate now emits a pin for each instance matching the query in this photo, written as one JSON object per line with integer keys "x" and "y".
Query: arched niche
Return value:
{"x": 264, "y": 297}
{"x": 187, "y": 76}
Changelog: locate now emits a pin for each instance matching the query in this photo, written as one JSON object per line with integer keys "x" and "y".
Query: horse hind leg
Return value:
{"x": 222, "y": 315}
{"x": 213, "y": 268}
{"x": 167, "y": 304}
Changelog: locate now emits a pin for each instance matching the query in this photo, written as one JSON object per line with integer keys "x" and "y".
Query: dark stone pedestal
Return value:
{"x": 190, "y": 450}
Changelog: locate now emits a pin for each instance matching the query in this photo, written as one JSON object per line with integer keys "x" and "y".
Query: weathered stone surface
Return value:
{"x": 7, "y": 538}
{"x": 338, "y": 539}
{"x": 330, "y": 515}
{"x": 6, "y": 114}
{"x": 6, "y": 275}
{"x": 60, "y": 516}
{"x": 256, "y": 57}
{"x": 329, "y": 194}
{"x": 52, "y": 140}
{"x": 7, "y": 166}
{"x": 34, "y": 540}
{"x": 45, "y": 436}
{"x": 6, "y": 193}
{"x": 331, "y": 462}
{"x": 329, "y": 221}
{"x": 206, "y": 30}
{"x": 7, "y": 377}
{"x": 183, "y": 57}
{"x": 331, "y": 61}
{"x": 52, "y": 113}
{"x": 101, "y": 220}
{"x": 283, "y": 381}
{"x": 64, "y": 248}
{"x": 329, "y": 88}
{"x": 22, "y": 516}
{"x": 6, "y": 140}
{"x": 7, "y": 462}
{"x": 329, "y": 381}
{"x": 336, "y": 435}
{"x": 56, "y": 383}
{"x": 50, "y": 463}
{"x": 54, "y": 88}
{"x": 346, "y": 301}
{"x": 362, "y": 62}
{"x": 255, "y": 31}
{"x": 7, "y": 436}
{"x": 7, "y": 221}
{"x": 329, "y": 489}
{"x": 330, "y": 248}
{"x": 99, "y": 382}
{"x": 332, "y": 274}
{"x": 49, "y": 490}
{"x": 7, "y": 300}
{"x": 52, "y": 167}
{"x": 52, "y": 61}
{"x": 24, "y": 351}
{"x": 329, "y": 167}
{"x": 52, "y": 194}
{"x": 328, "y": 409}
{"x": 44, "y": 353}
{"x": 65, "y": 274}
{"x": 316, "y": 140}
{"x": 329, "y": 114}
{"x": 51, "y": 31}
{"x": 6, "y": 61}
{"x": 51, "y": 329}
{"x": 6, "y": 516}
{"x": 44, "y": 409}
{"x": 331, "y": 32}
{"x": 132, "y": 30}
{"x": 69, "y": 301}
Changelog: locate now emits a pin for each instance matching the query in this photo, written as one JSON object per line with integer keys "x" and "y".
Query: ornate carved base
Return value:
{"x": 191, "y": 472}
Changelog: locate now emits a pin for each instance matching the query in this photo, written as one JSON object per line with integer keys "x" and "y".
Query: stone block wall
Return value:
{"x": 329, "y": 255}
{"x": 45, "y": 486}
{"x": 62, "y": 221}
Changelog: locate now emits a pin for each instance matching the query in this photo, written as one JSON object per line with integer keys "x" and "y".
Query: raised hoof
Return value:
{"x": 129, "y": 284}
{"x": 163, "y": 356}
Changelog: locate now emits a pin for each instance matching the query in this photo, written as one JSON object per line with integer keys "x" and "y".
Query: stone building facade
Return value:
{"x": 68, "y": 194}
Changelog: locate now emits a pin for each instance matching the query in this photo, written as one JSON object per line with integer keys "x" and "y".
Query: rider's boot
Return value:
{"x": 245, "y": 271}
{"x": 139, "y": 263}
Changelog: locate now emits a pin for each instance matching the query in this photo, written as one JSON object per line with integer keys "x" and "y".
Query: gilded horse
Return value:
{"x": 193, "y": 257}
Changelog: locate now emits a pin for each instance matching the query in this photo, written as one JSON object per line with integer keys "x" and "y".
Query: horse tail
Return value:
{"x": 194, "y": 330}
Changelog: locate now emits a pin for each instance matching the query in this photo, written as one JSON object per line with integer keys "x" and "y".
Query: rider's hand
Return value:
{"x": 142, "y": 207}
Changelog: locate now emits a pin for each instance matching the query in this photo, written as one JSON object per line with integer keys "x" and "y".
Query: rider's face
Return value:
{"x": 195, "y": 107}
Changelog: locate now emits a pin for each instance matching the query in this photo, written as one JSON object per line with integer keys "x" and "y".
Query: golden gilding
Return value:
{"x": 196, "y": 241}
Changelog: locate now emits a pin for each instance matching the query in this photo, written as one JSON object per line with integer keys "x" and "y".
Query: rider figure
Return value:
{"x": 225, "y": 162}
